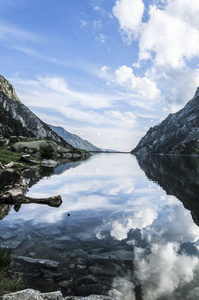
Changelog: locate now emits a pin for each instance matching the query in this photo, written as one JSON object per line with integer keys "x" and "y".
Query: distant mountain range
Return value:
{"x": 177, "y": 134}
{"x": 18, "y": 120}
{"x": 74, "y": 139}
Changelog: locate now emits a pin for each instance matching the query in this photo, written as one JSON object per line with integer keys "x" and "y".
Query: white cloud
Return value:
{"x": 129, "y": 14}
{"x": 142, "y": 85}
{"x": 168, "y": 40}
{"x": 104, "y": 71}
{"x": 11, "y": 33}
{"x": 97, "y": 24}
{"x": 83, "y": 24}
{"x": 101, "y": 38}
{"x": 170, "y": 36}
{"x": 52, "y": 100}
{"x": 126, "y": 119}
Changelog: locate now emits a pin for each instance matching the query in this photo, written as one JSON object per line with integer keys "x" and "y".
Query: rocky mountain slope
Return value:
{"x": 177, "y": 134}
{"x": 74, "y": 139}
{"x": 16, "y": 119}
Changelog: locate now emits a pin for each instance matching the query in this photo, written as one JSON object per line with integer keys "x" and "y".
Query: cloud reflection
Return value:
{"x": 126, "y": 207}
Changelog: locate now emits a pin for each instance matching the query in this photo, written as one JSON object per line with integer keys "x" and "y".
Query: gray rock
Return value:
{"x": 87, "y": 279}
{"x": 13, "y": 139}
{"x": 52, "y": 296}
{"x": 109, "y": 270}
{"x": 49, "y": 163}
{"x": 3, "y": 142}
{"x": 30, "y": 294}
{"x": 40, "y": 262}
{"x": 91, "y": 297}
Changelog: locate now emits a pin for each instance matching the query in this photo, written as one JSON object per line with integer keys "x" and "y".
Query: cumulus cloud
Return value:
{"x": 170, "y": 35}
{"x": 168, "y": 40}
{"x": 129, "y": 14}
{"x": 145, "y": 86}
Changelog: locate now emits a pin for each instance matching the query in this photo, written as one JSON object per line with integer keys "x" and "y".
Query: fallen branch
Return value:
{"x": 15, "y": 195}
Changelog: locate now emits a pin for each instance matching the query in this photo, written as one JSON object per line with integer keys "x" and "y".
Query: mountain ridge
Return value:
{"x": 178, "y": 133}
{"x": 74, "y": 139}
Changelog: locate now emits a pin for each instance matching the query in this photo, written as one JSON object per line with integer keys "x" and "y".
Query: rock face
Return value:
{"x": 177, "y": 134}
{"x": 73, "y": 139}
{"x": 16, "y": 119}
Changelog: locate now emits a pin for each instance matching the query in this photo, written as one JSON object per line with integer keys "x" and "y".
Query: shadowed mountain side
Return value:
{"x": 177, "y": 134}
{"x": 18, "y": 120}
{"x": 178, "y": 176}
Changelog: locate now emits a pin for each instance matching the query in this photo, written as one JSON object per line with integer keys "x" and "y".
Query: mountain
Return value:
{"x": 74, "y": 139}
{"x": 17, "y": 120}
{"x": 177, "y": 134}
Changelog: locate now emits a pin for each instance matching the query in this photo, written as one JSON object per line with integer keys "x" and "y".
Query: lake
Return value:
{"x": 127, "y": 228}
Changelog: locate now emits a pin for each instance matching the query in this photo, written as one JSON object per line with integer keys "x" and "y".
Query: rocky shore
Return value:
{"x": 30, "y": 294}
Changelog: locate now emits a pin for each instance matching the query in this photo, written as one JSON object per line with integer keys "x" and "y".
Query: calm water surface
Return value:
{"x": 132, "y": 230}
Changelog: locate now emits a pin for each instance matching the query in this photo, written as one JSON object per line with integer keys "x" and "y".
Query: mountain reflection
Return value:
{"x": 177, "y": 175}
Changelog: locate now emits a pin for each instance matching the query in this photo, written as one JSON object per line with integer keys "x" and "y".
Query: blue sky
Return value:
{"x": 106, "y": 70}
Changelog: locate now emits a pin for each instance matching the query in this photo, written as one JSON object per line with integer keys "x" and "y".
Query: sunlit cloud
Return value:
{"x": 129, "y": 14}
{"x": 169, "y": 40}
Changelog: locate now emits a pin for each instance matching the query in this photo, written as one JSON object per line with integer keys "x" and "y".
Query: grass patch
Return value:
{"x": 9, "y": 282}
{"x": 6, "y": 156}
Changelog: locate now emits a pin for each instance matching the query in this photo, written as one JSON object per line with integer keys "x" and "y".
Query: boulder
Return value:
{"x": 13, "y": 139}
{"x": 49, "y": 163}
{"x": 3, "y": 142}
{"x": 45, "y": 263}
{"x": 30, "y": 294}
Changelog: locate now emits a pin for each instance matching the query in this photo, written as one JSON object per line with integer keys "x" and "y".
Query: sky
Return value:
{"x": 106, "y": 70}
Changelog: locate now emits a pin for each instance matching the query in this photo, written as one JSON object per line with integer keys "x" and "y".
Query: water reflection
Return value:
{"x": 178, "y": 176}
{"x": 124, "y": 237}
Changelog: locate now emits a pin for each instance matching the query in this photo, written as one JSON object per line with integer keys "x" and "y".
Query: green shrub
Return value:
{"x": 5, "y": 258}
{"x": 47, "y": 151}
{"x": 9, "y": 282}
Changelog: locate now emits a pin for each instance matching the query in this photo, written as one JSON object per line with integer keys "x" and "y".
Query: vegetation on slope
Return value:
{"x": 9, "y": 282}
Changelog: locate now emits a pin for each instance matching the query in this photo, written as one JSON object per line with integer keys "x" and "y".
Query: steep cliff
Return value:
{"x": 74, "y": 139}
{"x": 177, "y": 134}
{"x": 17, "y": 119}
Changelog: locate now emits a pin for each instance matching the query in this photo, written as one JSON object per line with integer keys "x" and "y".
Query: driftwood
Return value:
{"x": 15, "y": 195}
